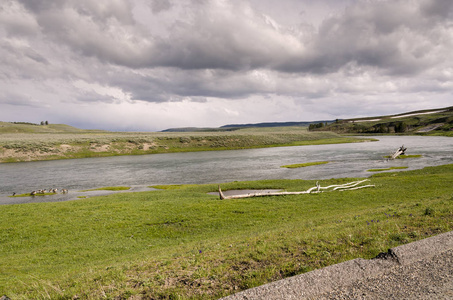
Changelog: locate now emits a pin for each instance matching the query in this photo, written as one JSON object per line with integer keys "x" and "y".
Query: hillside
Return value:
{"x": 272, "y": 124}
{"x": 232, "y": 127}
{"x": 24, "y": 127}
{"x": 433, "y": 121}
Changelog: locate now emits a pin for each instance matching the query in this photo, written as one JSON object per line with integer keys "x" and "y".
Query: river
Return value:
{"x": 346, "y": 160}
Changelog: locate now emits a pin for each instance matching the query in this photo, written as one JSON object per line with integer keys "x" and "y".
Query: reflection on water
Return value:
{"x": 346, "y": 160}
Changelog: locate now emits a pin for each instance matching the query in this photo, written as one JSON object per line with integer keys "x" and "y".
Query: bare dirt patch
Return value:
{"x": 65, "y": 147}
{"x": 22, "y": 155}
{"x": 430, "y": 127}
{"x": 148, "y": 146}
{"x": 102, "y": 148}
{"x": 7, "y": 153}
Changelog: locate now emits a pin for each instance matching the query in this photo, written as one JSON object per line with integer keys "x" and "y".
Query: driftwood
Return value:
{"x": 316, "y": 189}
{"x": 401, "y": 151}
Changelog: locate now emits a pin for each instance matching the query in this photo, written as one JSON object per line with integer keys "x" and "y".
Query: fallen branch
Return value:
{"x": 401, "y": 151}
{"x": 316, "y": 189}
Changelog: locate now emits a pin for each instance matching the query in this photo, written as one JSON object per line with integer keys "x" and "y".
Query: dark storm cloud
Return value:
{"x": 443, "y": 9}
{"x": 99, "y": 10}
{"x": 160, "y": 5}
{"x": 19, "y": 61}
{"x": 395, "y": 36}
{"x": 17, "y": 99}
{"x": 92, "y": 97}
{"x": 91, "y": 28}
{"x": 14, "y": 22}
{"x": 183, "y": 84}
{"x": 211, "y": 37}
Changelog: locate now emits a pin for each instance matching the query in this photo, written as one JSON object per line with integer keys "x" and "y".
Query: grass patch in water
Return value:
{"x": 386, "y": 169}
{"x": 305, "y": 164}
{"x": 109, "y": 188}
{"x": 405, "y": 156}
{"x": 167, "y": 187}
{"x": 30, "y": 195}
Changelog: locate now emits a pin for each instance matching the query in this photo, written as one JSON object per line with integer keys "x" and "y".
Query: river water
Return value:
{"x": 346, "y": 160}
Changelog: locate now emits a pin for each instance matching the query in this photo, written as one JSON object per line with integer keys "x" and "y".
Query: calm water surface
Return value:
{"x": 347, "y": 160}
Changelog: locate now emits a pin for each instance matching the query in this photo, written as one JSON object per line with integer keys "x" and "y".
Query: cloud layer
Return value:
{"x": 150, "y": 65}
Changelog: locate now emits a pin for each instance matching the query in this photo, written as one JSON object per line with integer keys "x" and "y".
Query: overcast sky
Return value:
{"x": 155, "y": 64}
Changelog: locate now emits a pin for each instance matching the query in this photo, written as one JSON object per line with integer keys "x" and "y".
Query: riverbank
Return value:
{"x": 17, "y": 147}
{"x": 181, "y": 242}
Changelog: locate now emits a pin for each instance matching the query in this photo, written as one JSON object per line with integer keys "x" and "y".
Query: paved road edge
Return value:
{"x": 310, "y": 284}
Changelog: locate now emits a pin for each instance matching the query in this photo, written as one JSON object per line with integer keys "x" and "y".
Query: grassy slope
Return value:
{"x": 184, "y": 243}
{"x": 7, "y": 127}
{"x": 413, "y": 122}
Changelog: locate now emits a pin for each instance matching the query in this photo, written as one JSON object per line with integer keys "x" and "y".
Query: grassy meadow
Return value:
{"x": 179, "y": 242}
{"x": 25, "y": 142}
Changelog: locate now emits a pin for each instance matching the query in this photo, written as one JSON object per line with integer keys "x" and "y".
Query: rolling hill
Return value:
{"x": 25, "y": 127}
{"x": 420, "y": 122}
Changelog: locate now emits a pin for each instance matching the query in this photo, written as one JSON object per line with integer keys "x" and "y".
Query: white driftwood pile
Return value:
{"x": 355, "y": 185}
{"x": 401, "y": 151}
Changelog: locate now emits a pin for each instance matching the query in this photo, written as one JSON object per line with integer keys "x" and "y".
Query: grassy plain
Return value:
{"x": 182, "y": 243}
{"x": 47, "y": 142}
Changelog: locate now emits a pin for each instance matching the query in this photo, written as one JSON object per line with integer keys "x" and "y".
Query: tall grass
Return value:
{"x": 182, "y": 243}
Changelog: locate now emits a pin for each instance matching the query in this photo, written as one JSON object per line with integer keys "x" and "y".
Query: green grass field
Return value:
{"x": 182, "y": 243}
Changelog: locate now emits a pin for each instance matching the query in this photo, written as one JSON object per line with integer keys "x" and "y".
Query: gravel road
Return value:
{"x": 426, "y": 279}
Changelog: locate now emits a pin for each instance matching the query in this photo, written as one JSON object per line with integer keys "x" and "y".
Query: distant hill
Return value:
{"x": 196, "y": 129}
{"x": 274, "y": 124}
{"x": 26, "y": 127}
{"x": 421, "y": 121}
{"x": 232, "y": 127}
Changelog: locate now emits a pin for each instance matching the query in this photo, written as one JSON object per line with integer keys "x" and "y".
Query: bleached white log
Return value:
{"x": 316, "y": 189}
{"x": 398, "y": 152}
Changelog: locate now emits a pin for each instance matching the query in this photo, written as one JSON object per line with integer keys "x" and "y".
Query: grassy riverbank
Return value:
{"x": 64, "y": 144}
{"x": 182, "y": 243}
